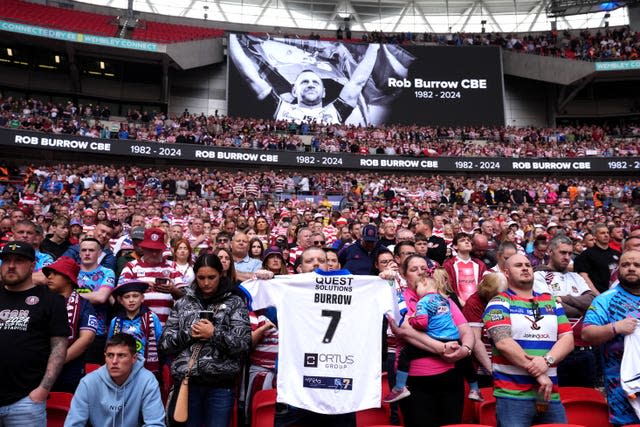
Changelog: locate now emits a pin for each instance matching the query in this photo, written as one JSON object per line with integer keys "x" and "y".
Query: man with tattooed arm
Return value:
{"x": 531, "y": 335}
{"x": 33, "y": 338}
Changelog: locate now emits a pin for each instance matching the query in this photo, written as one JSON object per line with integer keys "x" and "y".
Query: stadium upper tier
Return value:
{"x": 253, "y": 134}
{"x": 99, "y": 24}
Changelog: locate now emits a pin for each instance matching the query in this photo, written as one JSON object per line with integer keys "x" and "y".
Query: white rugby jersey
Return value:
{"x": 330, "y": 330}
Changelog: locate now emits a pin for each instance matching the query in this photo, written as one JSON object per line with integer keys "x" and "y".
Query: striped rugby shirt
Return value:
{"x": 535, "y": 336}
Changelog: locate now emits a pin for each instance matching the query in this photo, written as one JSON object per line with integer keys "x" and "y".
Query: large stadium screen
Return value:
{"x": 364, "y": 84}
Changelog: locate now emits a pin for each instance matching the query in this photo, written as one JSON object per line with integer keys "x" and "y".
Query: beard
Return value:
{"x": 629, "y": 284}
{"x": 14, "y": 279}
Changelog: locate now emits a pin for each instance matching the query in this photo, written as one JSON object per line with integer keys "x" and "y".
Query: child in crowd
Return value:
{"x": 136, "y": 320}
{"x": 62, "y": 279}
{"x": 433, "y": 316}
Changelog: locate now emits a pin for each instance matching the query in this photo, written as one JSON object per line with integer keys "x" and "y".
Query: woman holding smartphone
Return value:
{"x": 208, "y": 329}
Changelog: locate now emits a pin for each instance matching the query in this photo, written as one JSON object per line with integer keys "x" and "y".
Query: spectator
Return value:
{"x": 165, "y": 281}
{"x": 578, "y": 369}
{"x": 518, "y": 368}
{"x": 358, "y": 258}
{"x": 215, "y": 317}
{"x": 34, "y": 341}
{"x": 102, "y": 233}
{"x": 138, "y": 321}
{"x": 437, "y": 390}
{"x": 25, "y": 230}
{"x": 597, "y": 263}
{"x": 95, "y": 284}
{"x": 244, "y": 265}
{"x": 609, "y": 319}
{"x": 57, "y": 242}
{"x": 62, "y": 280}
{"x": 121, "y": 391}
{"x": 464, "y": 271}
{"x": 183, "y": 257}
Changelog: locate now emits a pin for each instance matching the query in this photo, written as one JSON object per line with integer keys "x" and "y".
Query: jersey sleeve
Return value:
{"x": 597, "y": 313}
{"x": 540, "y": 284}
{"x": 563, "y": 323}
{"x": 109, "y": 279}
{"x": 473, "y": 311}
{"x": 157, "y": 325}
{"x": 456, "y": 314}
{"x": 497, "y": 313}
{"x": 264, "y": 293}
{"x": 88, "y": 319}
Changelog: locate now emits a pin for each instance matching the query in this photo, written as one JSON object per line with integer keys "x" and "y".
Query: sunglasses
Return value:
{"x": 319, "y": 242}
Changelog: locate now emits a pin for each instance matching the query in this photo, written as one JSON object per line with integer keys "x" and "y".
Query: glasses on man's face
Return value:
{"x": 222, "y": 240}
{"x": 319, "y": 242}
{"x": 385, "y": 261}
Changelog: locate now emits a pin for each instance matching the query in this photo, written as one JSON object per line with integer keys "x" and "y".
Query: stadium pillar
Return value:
{"x": 164, "y": 84}
{"x": 634, "y": 17}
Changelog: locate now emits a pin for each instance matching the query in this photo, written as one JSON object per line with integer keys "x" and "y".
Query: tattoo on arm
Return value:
{"x": 55, "y": 362}
{"x": 498, "y": 333}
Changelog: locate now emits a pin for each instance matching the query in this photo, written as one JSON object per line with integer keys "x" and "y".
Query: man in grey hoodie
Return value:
{"x": 121, "y": 393}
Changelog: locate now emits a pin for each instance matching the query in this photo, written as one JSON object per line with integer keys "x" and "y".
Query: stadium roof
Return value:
{"x": 417, "y": 16}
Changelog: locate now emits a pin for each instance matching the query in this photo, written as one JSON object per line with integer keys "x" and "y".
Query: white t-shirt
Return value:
{"x": 559, "y": 284}
{"x": 330, "y": 330}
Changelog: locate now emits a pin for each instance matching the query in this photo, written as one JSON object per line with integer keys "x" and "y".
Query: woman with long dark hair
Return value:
{"x": 207, "y": 335}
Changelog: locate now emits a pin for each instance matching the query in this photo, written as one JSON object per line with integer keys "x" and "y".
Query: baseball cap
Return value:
{"x": 137, "y": 233}
{"x": 65, "y": 266}
{"x": 551, "y": 224}
{"x": 19, "y": 248}
{"x": 131, "y": 285}
{"x": 370, "y": 233}
{"x": 273, "y": 250}
{"x": 75, "y": 221}
{"x": 153, "y": 239}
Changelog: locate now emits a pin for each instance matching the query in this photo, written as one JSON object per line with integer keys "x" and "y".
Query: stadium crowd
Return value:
{"x": 247, "y": 133}
{"x": 607, "y": 44}
{"x": 191, "y": 235}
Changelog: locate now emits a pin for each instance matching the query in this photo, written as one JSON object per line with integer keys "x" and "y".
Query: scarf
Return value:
{"x": 73, "y": 315}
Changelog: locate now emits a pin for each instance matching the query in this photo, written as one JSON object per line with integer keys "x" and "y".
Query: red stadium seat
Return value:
{"x": 90, "y": 367}
{"x": 470, "y": 410}
{"x": 571, "y": 393}
{"x": 467, "y": 425}
{"x": 558, "y": 425}
{"x": 487, "y": 409}
{"x": 263, "y": 409}
{"x": 58, "y": 405}
{"x": 587, "y": 412}
{"x": 373, "y": 416}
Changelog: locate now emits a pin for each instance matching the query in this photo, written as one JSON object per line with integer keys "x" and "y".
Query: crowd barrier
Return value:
{"x": 185, "y": 153}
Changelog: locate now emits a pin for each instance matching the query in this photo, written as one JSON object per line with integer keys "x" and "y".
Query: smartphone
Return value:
{"x": 207, "y": 315}
{"x": 161, "y": 280}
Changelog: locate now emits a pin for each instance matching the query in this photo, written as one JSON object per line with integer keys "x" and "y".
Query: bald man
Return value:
{"x": 530, "y": 334}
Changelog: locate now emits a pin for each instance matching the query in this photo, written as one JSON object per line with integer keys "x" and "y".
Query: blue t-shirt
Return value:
{"x": 441, "y": 325}
{"x": 90, "y": 281}
{"x": 611, "y": 306}
{"x": 135, "y": 328}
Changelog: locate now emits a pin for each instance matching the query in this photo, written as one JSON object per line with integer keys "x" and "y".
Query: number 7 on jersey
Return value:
{"x": 333, "y": 324}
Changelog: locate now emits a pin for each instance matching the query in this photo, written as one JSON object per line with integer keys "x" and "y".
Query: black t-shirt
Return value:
{"x": 598, "y": 263}
{"x": 28, "y": 320}
{"x": 54, "y": 249}
{"x": 437, "y": 249}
